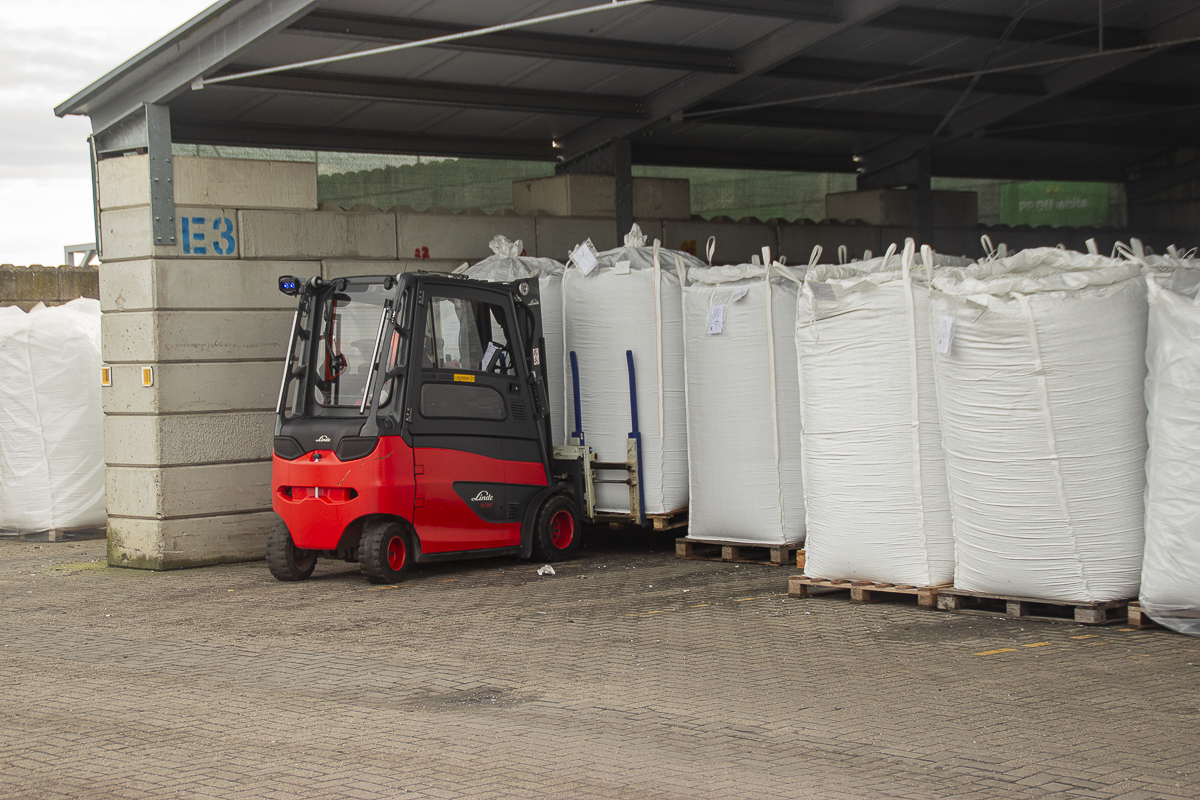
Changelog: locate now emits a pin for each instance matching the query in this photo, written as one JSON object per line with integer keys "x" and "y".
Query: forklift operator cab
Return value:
{"x": 413, "y": 425}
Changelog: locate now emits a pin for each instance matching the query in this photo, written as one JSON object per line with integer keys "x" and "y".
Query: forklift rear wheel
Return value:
{"x": 384, "y": 552}
{"x": 286, "y": 561}
{"x": 557, "y": 531}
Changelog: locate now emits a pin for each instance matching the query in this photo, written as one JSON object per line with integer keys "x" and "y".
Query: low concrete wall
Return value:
{"x": 28, "y": 286}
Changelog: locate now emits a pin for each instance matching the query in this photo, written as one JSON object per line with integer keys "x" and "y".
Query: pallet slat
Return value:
{"x": 864, "y": 591}
{"x": 1084, "y": 613}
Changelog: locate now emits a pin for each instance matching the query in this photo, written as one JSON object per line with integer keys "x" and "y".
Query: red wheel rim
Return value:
{"x": 562, "y": 529}
{"x": 395, "y": 553}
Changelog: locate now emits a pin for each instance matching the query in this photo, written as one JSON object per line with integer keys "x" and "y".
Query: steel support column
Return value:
{"x": 613, "y": 158}
{"x": 162, "y": 174}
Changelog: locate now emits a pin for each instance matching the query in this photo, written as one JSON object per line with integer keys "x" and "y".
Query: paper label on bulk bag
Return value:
{"x": 621, "y": 268}
{"x": 716, "y": 319}
{"x": 822, "y": 291}
{"x": 945, "y": 334}
{"x": 584, "y": 257}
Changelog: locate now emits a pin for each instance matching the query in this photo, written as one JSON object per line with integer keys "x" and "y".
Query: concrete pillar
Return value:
{"x": 188, "y": 456}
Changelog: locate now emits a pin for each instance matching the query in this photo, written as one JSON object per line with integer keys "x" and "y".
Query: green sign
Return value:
{"x": 1058, "y": 203}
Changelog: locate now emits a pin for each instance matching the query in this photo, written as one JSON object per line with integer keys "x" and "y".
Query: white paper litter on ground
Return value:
{"x": 51, "y": 422}
{"x": 1044, "y": 424}
{"x": 509, "y": 265}
{"x": 743, "y": 404}
{"x": 606, "y": 314}
{"x": 1170, "y": 591}
{"x": 874, "y": 474}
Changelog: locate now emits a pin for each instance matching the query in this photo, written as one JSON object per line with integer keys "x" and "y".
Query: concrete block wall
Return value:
{"x": 25, "y": 287}
{"x": 188, "y": 458}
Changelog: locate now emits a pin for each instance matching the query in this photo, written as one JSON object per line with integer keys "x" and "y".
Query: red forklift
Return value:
{"x": 413, "y": 426}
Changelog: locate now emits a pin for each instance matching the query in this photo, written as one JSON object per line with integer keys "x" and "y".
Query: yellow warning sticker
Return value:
{"x": 464, "y": 378}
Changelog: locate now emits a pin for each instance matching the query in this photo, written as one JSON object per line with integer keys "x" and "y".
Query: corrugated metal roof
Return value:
{"x": 630, "y": 73}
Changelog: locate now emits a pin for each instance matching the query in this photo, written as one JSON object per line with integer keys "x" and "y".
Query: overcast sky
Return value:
{"x": 49, "y": 50}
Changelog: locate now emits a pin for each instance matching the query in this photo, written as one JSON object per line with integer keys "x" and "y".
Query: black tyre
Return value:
{"x": 286, "y": 561}
{"x": 556, "y": 533}
{"x": 385, "y": 551}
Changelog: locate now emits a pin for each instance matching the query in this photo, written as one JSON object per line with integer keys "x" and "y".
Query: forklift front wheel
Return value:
{"x": 384, "y": 552}
{"x": 557, "y": 531}
{"x": 286, "y": 561}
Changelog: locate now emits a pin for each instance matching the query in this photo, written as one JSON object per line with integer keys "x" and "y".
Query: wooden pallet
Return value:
{"x": 670, "y": 521}
{"x": 658, "y": 522}
{"x": 56, "y": 534}
{"x": 864, "y": 591}
{"x": 1002, "y": 605}
{"x": 1140, "y": 619}
{"x": 737, "y": 552}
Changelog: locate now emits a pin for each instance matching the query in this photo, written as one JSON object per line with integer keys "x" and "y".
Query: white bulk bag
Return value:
{"x": 743, "y": 404}
{"x": 51, "y": 422}
{"x": 1170, "y": 591}
{"x": 874, "y": 474}
{"x": 509, "y": 265}
{"x": 1040, "y": 369}
{"x": 631, "y": 302}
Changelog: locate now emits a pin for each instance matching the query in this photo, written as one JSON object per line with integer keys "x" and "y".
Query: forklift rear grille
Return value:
{"x": 518, "y": 410}
{"x": 514, "y": 510}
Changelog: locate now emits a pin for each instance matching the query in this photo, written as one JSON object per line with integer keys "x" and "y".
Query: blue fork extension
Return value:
{"x": 636, "y": 435}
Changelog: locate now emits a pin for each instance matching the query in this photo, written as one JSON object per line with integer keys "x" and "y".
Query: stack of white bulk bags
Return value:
{"x": 1170, "y": 591}
{"x": 509, "y": 265}
{"x": 1040, "y": 370}
{"x": 631, "y": 302}
{"x": 743, "y": 404}
{"x": 874, "y": 474}
{"x": 51, "y": 422}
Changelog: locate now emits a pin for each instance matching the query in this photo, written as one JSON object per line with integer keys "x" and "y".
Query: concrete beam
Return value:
{"x": 194, "y": 388}
{"x": 187, "y": 439}
{"x": 318, "y": 234}
{"x": 175, "y": 543}
{"x": 460, "y": 237}
{"x": 240, "y": 183}
{"x": 170, "y": 284}
{"x": 556, "y": 236}
{"x": 187, "y": 491}
{"x": 736, "y": 242}
{"x": 154, "y": 337}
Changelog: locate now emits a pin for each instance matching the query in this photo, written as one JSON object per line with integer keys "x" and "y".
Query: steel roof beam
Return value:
{"x": 782, "y": 45}
{"x": 815, "y": 10}
{"x": 364, "y": 27}
{"x": 663, "y": 155}
{"x": 1027, "y": 170}
{"x": 193, "y": 131}
{"x": 839, "y": 71}
{"x": 885, "y": 162}
{"x": 1152, "y": 136}
{"x": 1162, "y": 180}
{"x": 832, "y": 119}
{"x": 992, "y": 26}
{"x": 825, "y": 119}
{"x": 1157, "y": 94}
{"x": 322, "y": 84}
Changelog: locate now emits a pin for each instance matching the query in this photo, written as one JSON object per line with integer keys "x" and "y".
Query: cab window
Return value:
{"x": 468, "y": 336}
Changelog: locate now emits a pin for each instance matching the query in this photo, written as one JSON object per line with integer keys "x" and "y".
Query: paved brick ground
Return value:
{"x": 629, "y": 674}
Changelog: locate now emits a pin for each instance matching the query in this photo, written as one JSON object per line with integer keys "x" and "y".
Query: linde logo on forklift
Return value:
{"x": 429, "y": 384}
